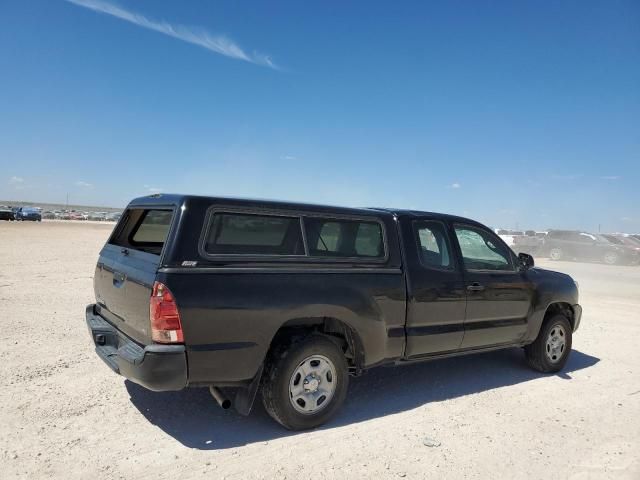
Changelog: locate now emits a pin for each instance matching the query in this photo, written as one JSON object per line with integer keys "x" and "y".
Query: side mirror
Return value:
{"x": 526, "y": 260}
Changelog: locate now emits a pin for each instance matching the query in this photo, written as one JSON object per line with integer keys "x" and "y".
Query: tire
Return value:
{"x": 545, "y": 354}
{"x": 610, "y": 258}
{"x": 555, "y": 254}
{"x": 326, "y": 367}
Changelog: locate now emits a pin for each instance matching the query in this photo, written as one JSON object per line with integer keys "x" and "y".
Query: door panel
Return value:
{"x": 498, "y": 313}
{"x": 436, "y": 291}
{"x": 499, "y": 296}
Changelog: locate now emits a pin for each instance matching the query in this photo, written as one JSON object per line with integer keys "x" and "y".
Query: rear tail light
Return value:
{"x": 165, "y": 318}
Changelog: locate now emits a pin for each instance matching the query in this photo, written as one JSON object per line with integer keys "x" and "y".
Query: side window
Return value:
{"x": 586, "y": 238}
{"x": 433, "y": 244}
{"x": 143, "y": 229}
{"x": 344, "y": 238}
{"x": 249, "y": 234}
{"x": 481, "y": 251}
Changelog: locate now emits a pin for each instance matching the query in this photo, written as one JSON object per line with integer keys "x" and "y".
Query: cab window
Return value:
{"x": 481, "y": 250}
{"x": 433, "y": 245}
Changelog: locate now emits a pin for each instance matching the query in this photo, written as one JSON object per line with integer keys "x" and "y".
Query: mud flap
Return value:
{"x": 245, "y": 397}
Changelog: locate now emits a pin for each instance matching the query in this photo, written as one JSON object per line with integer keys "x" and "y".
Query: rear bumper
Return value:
{"x": 577, "y": 316}
{"x": 156, "y": 367}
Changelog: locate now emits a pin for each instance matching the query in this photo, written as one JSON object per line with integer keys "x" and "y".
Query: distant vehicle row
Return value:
{"x": 575, "y": 245}
{"x": 74, "y": 215}
{"x": 36, "y": 214}
{"x": 611, "y": 249}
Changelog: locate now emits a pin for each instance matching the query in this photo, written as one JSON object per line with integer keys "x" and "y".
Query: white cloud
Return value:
{"x": 610, "y": 177}
{"x": 196, "y": 36}
{"x": 16, "y": 180}
{"x": 82, "y": 184}
{"x": 455, "y": 185}
{"x": 151, "y": 189}
{"x": 288, "y": 157}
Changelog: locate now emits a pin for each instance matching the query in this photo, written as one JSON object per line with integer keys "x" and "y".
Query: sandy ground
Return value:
{"x": 64, "y": 414}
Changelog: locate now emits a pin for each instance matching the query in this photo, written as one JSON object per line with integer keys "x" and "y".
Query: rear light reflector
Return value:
{"x": 165, "y": 318}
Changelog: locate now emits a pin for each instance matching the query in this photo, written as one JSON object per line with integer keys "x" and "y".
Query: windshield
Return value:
{"x": 612, "y": 239}
{"x": 602, "y": 238}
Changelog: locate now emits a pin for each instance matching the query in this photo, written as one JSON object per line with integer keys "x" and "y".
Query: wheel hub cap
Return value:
{"x": 312, "y": 384}
{"x": 555, "y": 345}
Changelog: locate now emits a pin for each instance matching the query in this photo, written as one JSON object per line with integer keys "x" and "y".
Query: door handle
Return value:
{"x": 475, "y": 287}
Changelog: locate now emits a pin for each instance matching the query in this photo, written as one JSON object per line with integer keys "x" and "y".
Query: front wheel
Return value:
{"x": 550, "y": 350}
{"x": 305, "y": 383}
{"x": 555, "y": 254}
{"x": 611, "y": 258}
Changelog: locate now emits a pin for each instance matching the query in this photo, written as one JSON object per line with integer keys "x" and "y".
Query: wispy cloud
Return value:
{"x": 288, "y": 157}
{"x": 455, "y": 185}
{"x": 610, "y": 177}
{"x": 574, "y": 176}
{"x": 82, "y": 184}
{"x": 16, "y": 180}
{"x": 152, "y": 189}
{"x": 195, "y": 35}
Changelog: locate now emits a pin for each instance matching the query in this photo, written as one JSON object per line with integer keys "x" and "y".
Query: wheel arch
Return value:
{"x": 340, "y": 332}
{"x": 561, "y": 308}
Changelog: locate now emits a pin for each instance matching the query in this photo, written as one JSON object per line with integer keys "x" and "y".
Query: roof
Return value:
{"x": 178, "y": 199}
{"x": 423, "y": 213}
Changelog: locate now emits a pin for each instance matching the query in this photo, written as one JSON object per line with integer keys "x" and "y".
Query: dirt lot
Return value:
{"x": 64, "y": 414}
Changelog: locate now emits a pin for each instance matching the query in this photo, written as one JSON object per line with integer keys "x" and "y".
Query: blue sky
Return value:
{"x": 513, "y": 113}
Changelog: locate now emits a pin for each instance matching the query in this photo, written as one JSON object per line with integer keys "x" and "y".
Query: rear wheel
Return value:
{"x": 305, "y": 383}
{"x": 555, "y": 254}
{"x": 550, "y": 350}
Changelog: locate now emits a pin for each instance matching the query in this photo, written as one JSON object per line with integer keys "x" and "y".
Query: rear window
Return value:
{"x": 344, "y": 238}
{"x": 143, "y": 229}
{"x": 249, "y": 234}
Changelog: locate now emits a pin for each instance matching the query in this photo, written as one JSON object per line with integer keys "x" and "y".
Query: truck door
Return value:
{"x": 499, "y": 295}
{"x": 436, "y": 291}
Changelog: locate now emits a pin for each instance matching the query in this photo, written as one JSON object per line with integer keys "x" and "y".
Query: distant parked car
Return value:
{"x": 77, "y": 216}
{"x": 519, "y": 241}
{"x": 626, "y": 240}
{"x": 7, "y": 214}
{"x": 97, "y": 216}
{"x": 28, "y": 214}
{"x": 576, "y": 245}
{"x": 113, "y": 216}
{"x": 636, "y": 236}
{"x": 530, "y": 242}
{"x": 508, "y": 235}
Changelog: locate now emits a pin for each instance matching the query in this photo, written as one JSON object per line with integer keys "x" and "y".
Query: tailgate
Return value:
{"x": 127, "y": 267}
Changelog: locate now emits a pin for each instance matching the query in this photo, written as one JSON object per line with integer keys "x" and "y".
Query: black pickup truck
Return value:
{"x": 291, "y": 299}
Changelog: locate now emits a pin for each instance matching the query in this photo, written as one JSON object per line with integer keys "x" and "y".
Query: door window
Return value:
{"x": 481, "y": 250}
{"x": 433, "y": 245}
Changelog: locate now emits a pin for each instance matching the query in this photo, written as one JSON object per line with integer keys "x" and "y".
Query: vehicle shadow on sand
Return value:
{"x": 194, "y": 419}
